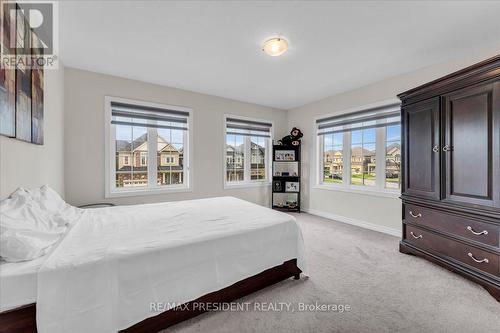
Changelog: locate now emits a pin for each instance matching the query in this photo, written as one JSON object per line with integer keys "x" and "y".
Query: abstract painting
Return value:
{"x": 36, "y": 97}
{"x": 21, "y": 88}
{"x": 7, "y": 78}
{"x": 23, "y": 81}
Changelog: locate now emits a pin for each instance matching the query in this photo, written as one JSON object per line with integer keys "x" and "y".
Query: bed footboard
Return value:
{"x": 23, "y": 320}
{"x": 239, "y": 289}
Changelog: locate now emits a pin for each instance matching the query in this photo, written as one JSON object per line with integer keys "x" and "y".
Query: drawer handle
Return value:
{"x": 415, "y": 216}
{"x": 416, "y": 237}
{"x": 484, "y": 232}
{"x": 485, "y": 260}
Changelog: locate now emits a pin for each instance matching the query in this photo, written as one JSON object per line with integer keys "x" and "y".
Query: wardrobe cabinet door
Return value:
{"x": 422, "y": 149}
{"x": 471, "y": 149}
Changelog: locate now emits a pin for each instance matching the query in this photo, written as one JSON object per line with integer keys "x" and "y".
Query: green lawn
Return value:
{"x": 332, "y": 181}
{"x": 357, "y": 179}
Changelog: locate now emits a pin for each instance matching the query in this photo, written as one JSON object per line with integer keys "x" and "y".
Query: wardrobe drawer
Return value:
{"x": 481, "y": 232}
{"x": 467, "y": 254}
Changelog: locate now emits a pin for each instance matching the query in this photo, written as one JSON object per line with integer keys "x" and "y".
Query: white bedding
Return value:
{"x": 116, "y": 261}
{"x": 18, "y": 283}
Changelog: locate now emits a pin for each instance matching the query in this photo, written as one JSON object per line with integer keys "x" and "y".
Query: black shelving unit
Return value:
{"x": 292, "y": 202}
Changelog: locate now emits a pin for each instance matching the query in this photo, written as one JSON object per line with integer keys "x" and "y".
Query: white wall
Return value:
{"x": 84, "y": 125}
{"x": 382, "y": 212}
{"x": 28, "y": 165}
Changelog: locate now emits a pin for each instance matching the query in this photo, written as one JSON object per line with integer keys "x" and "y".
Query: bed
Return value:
{"x": 129, "y": 268}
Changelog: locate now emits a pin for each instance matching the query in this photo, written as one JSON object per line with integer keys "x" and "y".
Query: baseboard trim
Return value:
{"x": 356, "y": 222}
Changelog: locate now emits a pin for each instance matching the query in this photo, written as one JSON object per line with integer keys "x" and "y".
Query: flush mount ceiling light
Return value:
{"x": 275, "y": 46}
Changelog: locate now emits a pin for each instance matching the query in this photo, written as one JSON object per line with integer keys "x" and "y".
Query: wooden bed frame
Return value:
{"x": 23, "y": 320}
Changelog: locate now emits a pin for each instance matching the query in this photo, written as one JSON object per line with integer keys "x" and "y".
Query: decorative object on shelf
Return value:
{"x": 285, "y": 174}
{"x": 292, "y": 204}
{"x": 277, "y": 187}
{"x": 295, "y": 174}
{"x": 293, "y": 139}
{"x": 284, "y": 155}
{"x": 277, "y": 174}
{"x": 292, "y": 186}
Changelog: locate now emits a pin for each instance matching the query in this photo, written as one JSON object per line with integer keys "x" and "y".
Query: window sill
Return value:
{"x": 228, "y": 186}
{"x": 141, "y": 192}
{"x": 362, "y": 191}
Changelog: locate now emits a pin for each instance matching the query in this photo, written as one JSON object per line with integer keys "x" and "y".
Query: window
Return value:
{"x": 144, "y": 158}
{"x": 333, "y": 158}
{"x": 147, "y": 150}
{"x": 393, "y": 156}
{"x": 364, "y": 137}
{"x": 247, "y": 157}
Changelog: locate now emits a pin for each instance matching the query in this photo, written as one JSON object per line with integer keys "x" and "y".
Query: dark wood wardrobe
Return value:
{"x": 451, "y": 173}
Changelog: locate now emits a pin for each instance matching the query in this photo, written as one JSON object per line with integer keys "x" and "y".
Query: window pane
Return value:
{"x": 235, "y": 157}
{"x": 131, "y": 166}
{"x": 258, "y": 158}
{"x": 357, "y": 164}
{"x": 394, "y": 133}
{"x": 369, "y": 135}
{"x": 363, "y": 153}
{"x": 333, "y": 163}
{"x": 357, "y": 137}
{"x": 338, "y": 138}
{"x": 393, "y": 157}
{"x": 170, "y": 156}
{"x": 369, "y": 153}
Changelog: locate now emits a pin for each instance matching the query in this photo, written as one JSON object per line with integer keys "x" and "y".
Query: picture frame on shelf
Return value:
{"x": 292, "y": 186}
{"x": 277, "y": 186}
{"x": 284, "y": 155}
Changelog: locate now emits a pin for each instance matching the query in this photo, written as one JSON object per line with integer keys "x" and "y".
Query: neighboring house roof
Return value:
{"x": 254, "y": 145}
{"x": 334, "y": 152}
{"x": 126, "y": 146}
{"x": 140, "y": 142}
{"x": 394, "y": 149}
{"x": 354, "y": 151}
{"x": 359, "y": 151}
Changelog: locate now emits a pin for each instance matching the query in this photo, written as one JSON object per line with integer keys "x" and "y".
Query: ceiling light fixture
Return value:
{"x": 275, "y": 46}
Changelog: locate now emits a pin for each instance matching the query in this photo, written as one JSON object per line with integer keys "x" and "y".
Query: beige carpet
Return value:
{"x": 387, "y": 291}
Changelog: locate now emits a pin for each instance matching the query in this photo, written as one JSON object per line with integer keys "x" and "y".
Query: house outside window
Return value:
{"x": 247, "y": 153}
{"x": 147, "y": 150}
{"x": 371, "y": 141}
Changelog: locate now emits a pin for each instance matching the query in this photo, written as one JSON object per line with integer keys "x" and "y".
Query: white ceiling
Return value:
{"x": 214, "y": 47}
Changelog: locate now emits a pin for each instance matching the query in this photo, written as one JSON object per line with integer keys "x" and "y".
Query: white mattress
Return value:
{"x": 116, "y": 261}
{"x": 18, "y": 282}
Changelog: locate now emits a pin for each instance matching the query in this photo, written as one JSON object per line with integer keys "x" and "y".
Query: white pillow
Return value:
{"x": 22, "y": 245}
{"x": 51, "y": 202}
{"x": 26, "y": 230}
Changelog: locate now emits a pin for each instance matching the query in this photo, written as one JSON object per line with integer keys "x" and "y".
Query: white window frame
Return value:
{"x": 379, "y": 189}
{"x": 111, "y": 191}
{"x": 248, "y": 182}
{"x": 144, "y": 158}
